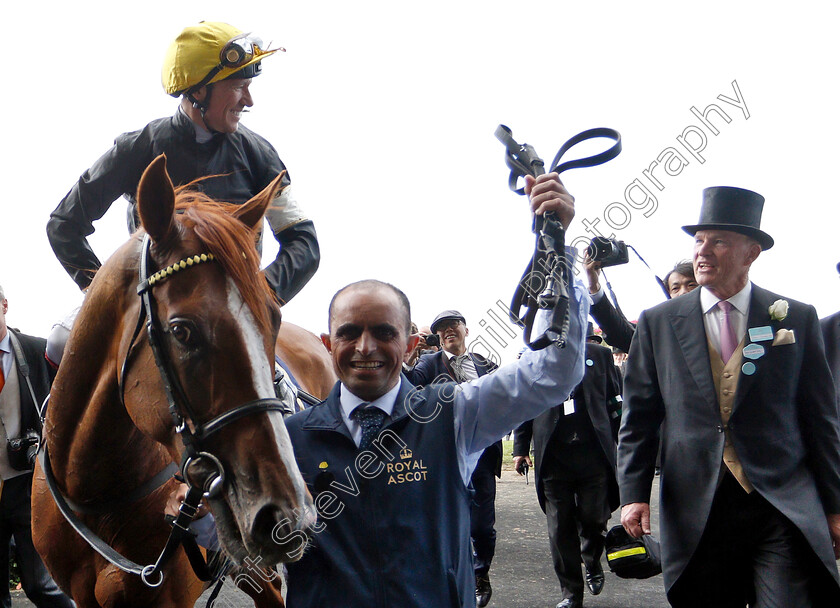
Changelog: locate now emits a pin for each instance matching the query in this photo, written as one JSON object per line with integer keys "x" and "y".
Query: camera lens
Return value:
{"x": 600, "y": 248}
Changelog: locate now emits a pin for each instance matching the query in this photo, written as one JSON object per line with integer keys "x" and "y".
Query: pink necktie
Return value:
{"x": 727, "y": 334}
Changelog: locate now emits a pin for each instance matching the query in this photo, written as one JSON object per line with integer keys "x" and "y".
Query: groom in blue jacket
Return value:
{"x": 388, "y": 464}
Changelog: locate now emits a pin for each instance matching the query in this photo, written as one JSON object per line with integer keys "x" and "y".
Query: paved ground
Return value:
{"x": 522, "y": 574}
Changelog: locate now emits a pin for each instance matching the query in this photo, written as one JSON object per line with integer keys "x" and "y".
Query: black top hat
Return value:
{"x": 735, "y": 209}
{"x": 445, "y": 316}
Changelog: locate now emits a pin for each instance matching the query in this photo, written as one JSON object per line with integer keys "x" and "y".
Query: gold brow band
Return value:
{"x": 165, "y": 273}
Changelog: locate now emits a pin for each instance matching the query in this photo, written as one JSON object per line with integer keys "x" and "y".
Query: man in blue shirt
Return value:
{"x": 388, "y": 464}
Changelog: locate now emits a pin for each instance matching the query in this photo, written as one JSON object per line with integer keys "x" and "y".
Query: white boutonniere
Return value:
{"x": 778, "y": 310}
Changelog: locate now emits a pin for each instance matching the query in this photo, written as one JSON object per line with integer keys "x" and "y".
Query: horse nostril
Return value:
{"x": 271, "y": 525}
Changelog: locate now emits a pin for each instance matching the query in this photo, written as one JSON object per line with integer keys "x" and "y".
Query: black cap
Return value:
{"x": 735, "y": 209}
{"x": 591, "y": 335}
{"x": 445, "y": 316}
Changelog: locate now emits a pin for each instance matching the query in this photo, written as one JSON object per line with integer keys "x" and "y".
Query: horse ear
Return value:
{"x": 156, "y": 200}
{"x": 252, "y": 212}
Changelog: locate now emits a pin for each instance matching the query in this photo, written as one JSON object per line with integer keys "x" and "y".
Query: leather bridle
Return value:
{"x": 193, "y": 435}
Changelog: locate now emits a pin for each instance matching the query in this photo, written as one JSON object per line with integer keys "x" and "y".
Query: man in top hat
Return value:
{"x": 453, "y": 362}
{"x": 831, "y": 336}
{"x": 750, "y": 485}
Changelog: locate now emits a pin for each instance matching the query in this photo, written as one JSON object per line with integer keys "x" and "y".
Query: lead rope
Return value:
{"x": 547, "y": 280}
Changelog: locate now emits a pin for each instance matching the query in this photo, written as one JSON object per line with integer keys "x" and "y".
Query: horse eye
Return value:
{"x": 182, "y": 332}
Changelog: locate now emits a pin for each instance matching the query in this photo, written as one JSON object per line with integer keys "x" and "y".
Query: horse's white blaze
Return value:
{"x": 264, "y": 383}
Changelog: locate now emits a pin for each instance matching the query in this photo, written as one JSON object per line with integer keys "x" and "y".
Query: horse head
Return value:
{"x": 200, "y": 381}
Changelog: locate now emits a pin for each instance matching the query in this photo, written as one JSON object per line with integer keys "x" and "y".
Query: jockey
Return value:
{"x": 210, "y": 67}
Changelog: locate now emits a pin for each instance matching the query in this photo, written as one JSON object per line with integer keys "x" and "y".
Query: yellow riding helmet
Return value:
{"x": 209, "y": 52}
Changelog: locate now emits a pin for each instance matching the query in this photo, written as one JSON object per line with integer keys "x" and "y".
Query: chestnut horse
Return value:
{"x": 114, "y": 420}
{"x": 307, "y": 359}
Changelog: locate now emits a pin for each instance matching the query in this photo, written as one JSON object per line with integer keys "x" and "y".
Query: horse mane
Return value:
{"x": 231, "y": 243}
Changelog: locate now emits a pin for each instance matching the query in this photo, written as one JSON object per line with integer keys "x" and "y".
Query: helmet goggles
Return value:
{"x": 243, "y": 50}
{"x": 240, "y": 50}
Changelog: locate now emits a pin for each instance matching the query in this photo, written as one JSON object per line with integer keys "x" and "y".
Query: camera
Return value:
{"x": 22, "y": 451}
{"x": 432, "y": 340}
{"x": 609, "y": 252}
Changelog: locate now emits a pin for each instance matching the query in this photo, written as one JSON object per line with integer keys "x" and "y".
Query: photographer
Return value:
{"x": 25, "y": 380}
{"x": 429, "y": 343}
{"x": 455, "y": 363}
{"x": 618, "y": 331}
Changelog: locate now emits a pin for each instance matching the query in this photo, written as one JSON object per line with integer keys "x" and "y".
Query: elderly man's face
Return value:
{"x": 722, "y": 260}
{"x": 368, "y": 340}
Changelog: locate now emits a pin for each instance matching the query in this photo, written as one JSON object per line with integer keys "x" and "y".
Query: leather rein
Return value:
{"x": 193, "y": 434}
{"x": 547, "y": 280}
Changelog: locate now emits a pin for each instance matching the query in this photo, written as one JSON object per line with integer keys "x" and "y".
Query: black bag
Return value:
{"x": 23, "y": 450}
{"x": 632, "y": 558}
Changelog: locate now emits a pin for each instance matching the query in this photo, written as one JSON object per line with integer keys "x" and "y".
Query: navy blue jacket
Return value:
{"x": 433, "y": 367}
{"x": 394, "y": 520}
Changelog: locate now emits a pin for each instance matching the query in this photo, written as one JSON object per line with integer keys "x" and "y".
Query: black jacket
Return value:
{"x": 41, "y": 375}
{"x": 618, "y": 331}
{"x": 241, "y": 163}
{"x": 598, "y": 399}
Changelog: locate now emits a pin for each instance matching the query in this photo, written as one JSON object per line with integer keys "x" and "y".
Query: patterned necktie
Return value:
{"x": 370, "y": 419}
{"x": 727, "y": 334}
{"x": 457, "y": 369}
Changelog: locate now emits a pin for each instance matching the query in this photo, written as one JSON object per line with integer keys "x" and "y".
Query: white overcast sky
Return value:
{"x": 384, "y": 113}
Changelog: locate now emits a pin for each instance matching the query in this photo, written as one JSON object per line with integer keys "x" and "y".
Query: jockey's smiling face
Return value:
{"x": 228, "y": 98}
{"x": 368, "y": 339}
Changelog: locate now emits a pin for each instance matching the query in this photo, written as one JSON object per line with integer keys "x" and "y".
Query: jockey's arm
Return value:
{"x": 88, "y": 200}
{"x": 299, "y": 254}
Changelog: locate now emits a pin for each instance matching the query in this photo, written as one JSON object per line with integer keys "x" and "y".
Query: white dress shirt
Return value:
{"x": 737, "y": 316}
{"x": 6, "y": 354}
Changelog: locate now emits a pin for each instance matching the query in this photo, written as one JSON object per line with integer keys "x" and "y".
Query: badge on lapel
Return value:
{"x": 784, "y": 336}
{"x": 753, "y": 351}
{"x": 760, "y": 334}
